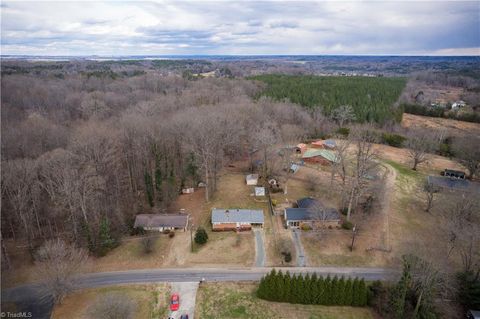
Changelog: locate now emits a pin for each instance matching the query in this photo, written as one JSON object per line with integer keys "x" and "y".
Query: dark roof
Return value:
{"x": 161, "y": 220}
{"x": 307, "y": 202}
{"x": 454, "y": 184}
{"x": 305, "y": 214}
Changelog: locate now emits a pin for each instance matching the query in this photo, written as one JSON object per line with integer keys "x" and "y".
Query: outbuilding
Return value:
{"x": 236, "y": 219}
{"x": 251, "y": 179}
{"x": 320, "y": 156}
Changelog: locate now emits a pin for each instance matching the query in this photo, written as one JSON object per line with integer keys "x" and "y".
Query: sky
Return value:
{"x": 240, "y": 28}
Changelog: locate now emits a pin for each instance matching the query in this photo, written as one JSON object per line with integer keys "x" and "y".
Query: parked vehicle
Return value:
{"x": 174, "y": 302}
{"x": 184, "y": 316}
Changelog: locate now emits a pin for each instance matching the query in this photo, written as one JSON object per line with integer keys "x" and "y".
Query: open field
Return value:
{"x": 238, "y": 300}
{"x": 151, "y": 301}
{"x": 453, "y": 127}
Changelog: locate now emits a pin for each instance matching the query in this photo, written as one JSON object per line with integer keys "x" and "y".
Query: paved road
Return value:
{"x": 188, "y": 295}
{"x": 301, "y": 258}
{"x": 259, "y": 248}
{"x": 27, "y": 296}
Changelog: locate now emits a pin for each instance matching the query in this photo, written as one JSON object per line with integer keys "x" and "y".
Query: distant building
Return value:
{"x": 236, "y": 219}
{"x": 259, "y": 191}
{"x": 458, "y": 104}
{"x": 251, "y": 179}
{"x": 161, "y": 222}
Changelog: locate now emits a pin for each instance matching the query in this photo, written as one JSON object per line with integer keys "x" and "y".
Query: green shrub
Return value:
{"x": 306, "y": 227}
{"x": 394, "y": 140}
{"x": 300, "y": 289}
{"x": 343, "y": 131}
{"x": 201, "y": 236}
{"x": 347, "y": 225}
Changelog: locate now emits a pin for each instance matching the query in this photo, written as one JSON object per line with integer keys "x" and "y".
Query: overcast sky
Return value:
{"x": 240, "y": 27}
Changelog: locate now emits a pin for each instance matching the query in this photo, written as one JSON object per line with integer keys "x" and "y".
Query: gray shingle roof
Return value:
{"x": 161, "y": 220}
{"x": 237, "y": 216}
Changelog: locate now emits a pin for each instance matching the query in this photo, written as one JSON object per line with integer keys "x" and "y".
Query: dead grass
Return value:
{"x": 237, "y": 300}
{"x": 151, "y": 301}
{"x": 130, "y": 255}
{"x": 455, "y": 128}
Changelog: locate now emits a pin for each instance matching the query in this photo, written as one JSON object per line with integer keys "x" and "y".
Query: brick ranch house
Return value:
{"x": 236, "y": 219}
{"x": 310, "y": 212}
{"x": 161, "y": 222}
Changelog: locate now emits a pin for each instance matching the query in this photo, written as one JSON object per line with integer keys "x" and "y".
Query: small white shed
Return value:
{"x": 252, "y": 179}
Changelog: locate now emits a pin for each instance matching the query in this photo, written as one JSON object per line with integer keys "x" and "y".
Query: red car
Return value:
{"x": 174, "y": 302}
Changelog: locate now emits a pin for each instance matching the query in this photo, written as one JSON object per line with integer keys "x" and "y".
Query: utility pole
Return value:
{"x": 354, "y": 232}
{"x": 191, "y": 238}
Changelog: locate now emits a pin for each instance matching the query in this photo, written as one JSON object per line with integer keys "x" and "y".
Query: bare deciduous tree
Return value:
{"x": 420, "y": 144}
{"x": 467, "y": 152}
{"x": 343, "y": 114}
{"x": 57, "y": 264}
{"x": 364, "y": 161}
{"x": 113, "y": 306}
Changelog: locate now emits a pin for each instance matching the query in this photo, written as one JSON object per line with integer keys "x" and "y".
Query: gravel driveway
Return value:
{"x": 301, "y": 258}
{"x": 187, "y": 292}
{"x": 259, "y": 248}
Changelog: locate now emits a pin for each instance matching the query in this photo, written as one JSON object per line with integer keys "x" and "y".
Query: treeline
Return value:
{"x": 81, "y": 156}
{"x": 372, "y": 99}
{"x": 313, "y": 290}
{"x": 416, "y": 109}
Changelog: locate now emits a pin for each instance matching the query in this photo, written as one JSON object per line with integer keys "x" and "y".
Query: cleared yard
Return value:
{"x": 130, "y": 255}
{"x": 238, "y": 300}
{"x": 456, "y": 128}
{"x": 151, "y": 301}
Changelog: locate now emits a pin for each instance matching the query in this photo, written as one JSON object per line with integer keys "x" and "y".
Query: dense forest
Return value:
{"x": 372, "y": 98}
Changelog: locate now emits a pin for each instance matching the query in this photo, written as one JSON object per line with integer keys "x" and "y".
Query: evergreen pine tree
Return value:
{"x": 312, "y": 297}
{"x": 278, "y": 286}
{"x": 340, "y": 292}
{"x": 106, "y": 241}
{"x": 320, "y": 291}
{"x": 201, "y": 236}
{"x": 287, "y": 283}
{"x": 349, "y": 292}
{"x": 158, "y": 179}
{"x": 355, "y": 292}
{"x": 362, "y": 294}
{"x": 399, "y": 292}
{"x": 149, "y": 188}
{"x": 333, "y": 290}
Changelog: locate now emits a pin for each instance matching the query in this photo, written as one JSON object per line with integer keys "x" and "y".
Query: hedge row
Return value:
{"x": 314, "y": 289}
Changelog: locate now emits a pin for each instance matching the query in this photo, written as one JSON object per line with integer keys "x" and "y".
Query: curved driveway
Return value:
{"x": 27, "y": 296}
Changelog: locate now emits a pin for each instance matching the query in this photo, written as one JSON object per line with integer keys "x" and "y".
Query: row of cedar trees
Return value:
{"x": 313, "y": 290}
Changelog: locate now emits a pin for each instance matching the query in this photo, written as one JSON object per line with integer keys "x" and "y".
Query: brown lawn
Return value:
{"x": 151, "y": 301}
{"x": 238, "y": 300}
{"x": 454, "y": 127}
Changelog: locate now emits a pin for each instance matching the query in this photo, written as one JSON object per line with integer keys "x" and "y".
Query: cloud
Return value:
{"x": 250, "y": 27}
